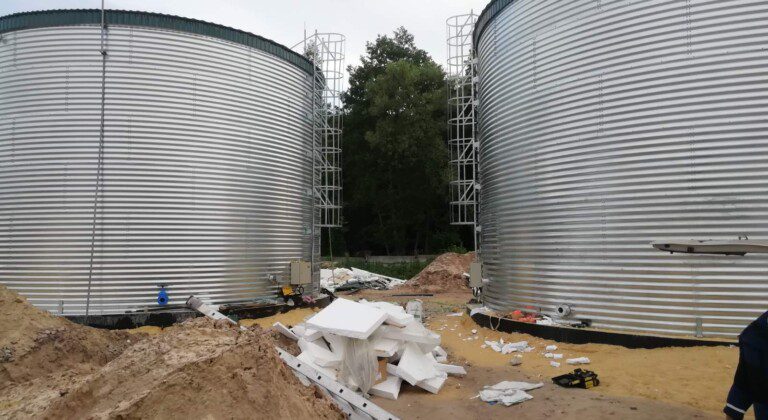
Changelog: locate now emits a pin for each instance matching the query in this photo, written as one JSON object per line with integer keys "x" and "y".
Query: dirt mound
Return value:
{"x": 35, "y": 343}
{"x": 444, "y": 274}
{"x": 196, "y": 370}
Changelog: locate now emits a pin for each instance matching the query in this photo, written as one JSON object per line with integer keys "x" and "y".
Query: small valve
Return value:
{"x": 162, "y": 295}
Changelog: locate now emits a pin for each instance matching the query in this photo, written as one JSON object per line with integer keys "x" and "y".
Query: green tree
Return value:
{"x": 395, "y": 156}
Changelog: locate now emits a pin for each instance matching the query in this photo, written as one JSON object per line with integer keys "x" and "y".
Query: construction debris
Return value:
{"x": 507, "y": 348}
{"x": 345, "y": 279}
{"x": 508, "y": 392}
{"x": 373, "y": 347}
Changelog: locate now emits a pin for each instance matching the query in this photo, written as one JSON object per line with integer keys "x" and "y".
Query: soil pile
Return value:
{"x": 199, "y": 369}
{"x": 53, "y": 368}
{"x": 444, "y": 274}
{"x": 35, "y": 343}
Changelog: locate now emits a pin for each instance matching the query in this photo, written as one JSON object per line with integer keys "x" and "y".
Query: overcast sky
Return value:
{"x": 284, "y": 20}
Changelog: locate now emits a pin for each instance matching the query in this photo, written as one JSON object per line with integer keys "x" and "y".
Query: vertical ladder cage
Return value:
{"x": 464, "y": 188}
{"x": 326, "y": 51}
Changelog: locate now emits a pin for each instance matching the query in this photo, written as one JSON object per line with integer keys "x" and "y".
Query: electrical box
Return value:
{"x": 476, "y": 274}
{"x": 301, "y": 272}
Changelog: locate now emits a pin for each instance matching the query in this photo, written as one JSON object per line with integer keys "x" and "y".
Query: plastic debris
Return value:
{"x": 479, "y": 310}
{"x": 578, "y": 361}
{"x": 508, "y": 392}
{"x": 554, "y": 364}
{"x": 551, "y": 347}
{"x": 339, "y": 279}
{"x": 516, "y": 360}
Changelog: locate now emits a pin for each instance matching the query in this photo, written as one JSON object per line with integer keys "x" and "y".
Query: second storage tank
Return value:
{"x": 606, "y": 125}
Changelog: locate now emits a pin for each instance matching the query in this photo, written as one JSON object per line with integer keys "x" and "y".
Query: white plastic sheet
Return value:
{"x": 508, "y": 392}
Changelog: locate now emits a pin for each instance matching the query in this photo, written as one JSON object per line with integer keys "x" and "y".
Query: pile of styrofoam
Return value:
{"x": 348, "y": 340}
{"x": 332, "y": 279}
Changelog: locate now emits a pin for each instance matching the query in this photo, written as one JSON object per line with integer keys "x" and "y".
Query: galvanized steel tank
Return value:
{"x": 206, "y": 168}
{"x": 606, "y": 125}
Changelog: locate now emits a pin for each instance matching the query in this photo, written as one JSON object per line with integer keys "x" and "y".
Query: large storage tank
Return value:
{"x": 606, "y": 125}
{"x": 206, "y": 160}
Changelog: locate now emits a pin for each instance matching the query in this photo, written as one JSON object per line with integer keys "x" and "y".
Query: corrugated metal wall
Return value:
{"x": 605, "y": 125}
{"x": 207, "y": 168}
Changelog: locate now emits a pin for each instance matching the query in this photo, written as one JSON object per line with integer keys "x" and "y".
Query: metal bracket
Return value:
{"x": 360, "y": 405}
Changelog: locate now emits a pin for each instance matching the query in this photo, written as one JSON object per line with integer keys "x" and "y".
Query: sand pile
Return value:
{"x": 195, "y": 370}
{"x": 52, "y": 368}
{"x": 34, "y": 343}
{"x": 444, "y": 274}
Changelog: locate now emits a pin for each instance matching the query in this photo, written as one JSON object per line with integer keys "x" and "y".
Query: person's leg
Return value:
{"x": 761, "y": 411}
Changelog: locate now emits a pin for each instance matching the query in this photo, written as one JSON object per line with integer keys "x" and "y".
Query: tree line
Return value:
{"x": 396, "y": 161}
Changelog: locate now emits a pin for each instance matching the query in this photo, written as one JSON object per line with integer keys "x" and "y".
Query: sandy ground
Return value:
{"x": 671, "y": 383}
{"x": 674, "y": 383}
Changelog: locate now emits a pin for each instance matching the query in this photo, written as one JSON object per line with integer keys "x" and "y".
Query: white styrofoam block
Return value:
{"x": 414, "y": 333}
{"x": 389, "y": 388}
{"x": 451, "y": 369}
{"x": 415, "y": 365}
{"x": 284, "y": 330}
{"x": 578, "y": 361}
{"x": 320, "y": 353}
{"x": 336, "y": 342}
{"x": 307, "y": 358}
{"x": 299, "y": 330}
{"x": 439, "y": 351}
{"x": 348, "y": 319}
{"x": 396, "y": 314}
{"x": 433, "y": 385}
{"x": 392, "y": 369}
{"x": 551, "y": 347}
{"x": 554, "y": 364}
{"x": 385, "y": 347}
{"x": 313, "y": 334}
{"x": 309, "y": 334}
{"x": 557, "y": 356}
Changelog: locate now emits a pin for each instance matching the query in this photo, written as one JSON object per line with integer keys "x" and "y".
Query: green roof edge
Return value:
{"x": 486, "y": 16}
{"x": 74, "y": 17}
